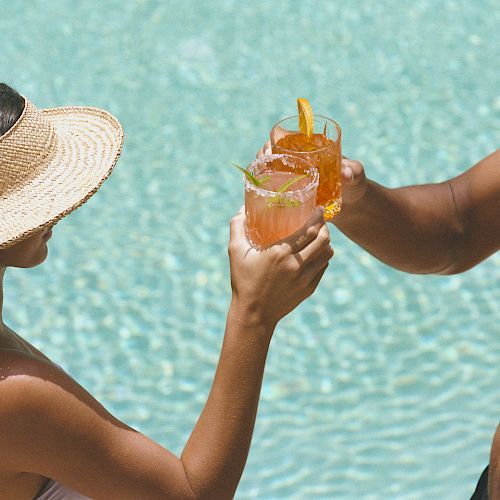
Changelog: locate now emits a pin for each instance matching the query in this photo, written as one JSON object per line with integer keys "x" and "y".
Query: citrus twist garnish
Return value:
{"x": 306, "y": 123}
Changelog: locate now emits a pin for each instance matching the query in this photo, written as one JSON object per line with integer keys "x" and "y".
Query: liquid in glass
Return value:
{"x": 273, "y": 213}
{"x": 322, "y": 150}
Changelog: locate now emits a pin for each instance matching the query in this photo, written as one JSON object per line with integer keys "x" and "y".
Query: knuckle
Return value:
{"x": 276, "y": 252}
{"x": 293, "y": 266}
{"x": 325, "y": 238}
{"x": 312, "y": 231}
{"x": 358, "y": 166}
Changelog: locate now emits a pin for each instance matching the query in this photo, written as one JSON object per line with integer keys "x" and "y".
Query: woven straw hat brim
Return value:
{"x": 89, "y": 142}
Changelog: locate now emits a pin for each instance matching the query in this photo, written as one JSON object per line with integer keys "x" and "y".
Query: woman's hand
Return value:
{"x": 268, "y": 284}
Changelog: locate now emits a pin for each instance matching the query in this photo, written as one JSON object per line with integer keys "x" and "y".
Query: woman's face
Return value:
{"x": 29, "y": 252}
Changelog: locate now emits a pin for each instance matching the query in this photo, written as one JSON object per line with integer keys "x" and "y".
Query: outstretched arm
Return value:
{"x": 216, "y": 452}
{"x": 443, "y": 228}
{"x": 52, "y": 427}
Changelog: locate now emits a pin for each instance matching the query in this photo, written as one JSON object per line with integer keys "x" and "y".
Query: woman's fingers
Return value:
{"x": 312, "y": 268}
{"x": 317, "y": 277}
{"x": 237, "y": 230}
{"x": 306, "y": 234}
{"x": 318, "y": 248}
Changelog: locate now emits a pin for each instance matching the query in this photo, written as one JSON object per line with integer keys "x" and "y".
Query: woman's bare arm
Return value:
{"x": 49, "y": 425}
{"x": 441, "y": 228}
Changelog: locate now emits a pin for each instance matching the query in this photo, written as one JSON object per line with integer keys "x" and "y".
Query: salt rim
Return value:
{"x": 290, "y": 193}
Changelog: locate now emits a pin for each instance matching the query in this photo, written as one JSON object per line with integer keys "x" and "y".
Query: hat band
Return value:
{"x": 26, "y": 149}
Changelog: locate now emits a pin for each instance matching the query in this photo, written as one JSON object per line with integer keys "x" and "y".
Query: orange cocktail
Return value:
{"x": 282, "y": 200}
{"x": 323, "y": 150}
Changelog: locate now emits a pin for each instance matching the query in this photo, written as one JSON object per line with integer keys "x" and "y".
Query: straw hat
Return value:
{"x": 51, "y": 162}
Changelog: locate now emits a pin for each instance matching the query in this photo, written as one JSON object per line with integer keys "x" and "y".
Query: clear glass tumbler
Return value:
{"x": 283, "y": 200}
{"x": 322, "y": 150}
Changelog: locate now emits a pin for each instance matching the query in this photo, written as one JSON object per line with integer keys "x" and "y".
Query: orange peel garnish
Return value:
{"x": 306, "y": 117}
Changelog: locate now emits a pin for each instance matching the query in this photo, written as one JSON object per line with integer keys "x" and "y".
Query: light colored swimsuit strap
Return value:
{"x": 57, "y": 491}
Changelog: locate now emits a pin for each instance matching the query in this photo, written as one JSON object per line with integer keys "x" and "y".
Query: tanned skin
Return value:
{"x": 51, "y": 427}
{"x": 444, "y": 228}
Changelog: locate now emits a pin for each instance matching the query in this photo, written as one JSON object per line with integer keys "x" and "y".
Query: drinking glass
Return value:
{"x": 284, "y": 199}
{"x": 322, "y": 150}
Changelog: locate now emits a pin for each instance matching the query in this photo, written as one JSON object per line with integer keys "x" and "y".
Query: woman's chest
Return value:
{"x": 20, "y": 486}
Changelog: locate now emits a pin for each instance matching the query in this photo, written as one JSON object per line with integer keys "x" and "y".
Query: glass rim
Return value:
{"x": 313, "y": 184}
{"x": 337, "y": 127}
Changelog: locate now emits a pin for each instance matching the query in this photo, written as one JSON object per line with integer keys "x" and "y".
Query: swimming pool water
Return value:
{"x": 383, "y": 384}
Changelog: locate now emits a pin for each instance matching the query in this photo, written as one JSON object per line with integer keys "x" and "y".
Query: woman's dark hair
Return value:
{"x": 11, "y": 107}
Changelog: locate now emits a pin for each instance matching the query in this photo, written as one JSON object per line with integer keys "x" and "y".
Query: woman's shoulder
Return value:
{"x": 44, "y": 413}
{"x": 52, "y": 426}
{"x": 29, "y": 382}
{"x": 23, "y": 378}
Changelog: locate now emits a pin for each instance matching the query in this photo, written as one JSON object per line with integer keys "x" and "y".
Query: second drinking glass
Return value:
{"x": 322, "y": 150}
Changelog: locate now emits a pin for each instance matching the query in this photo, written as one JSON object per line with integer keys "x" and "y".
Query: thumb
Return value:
{"x": 237, "y": 227}
{"x": 353, "y": 172}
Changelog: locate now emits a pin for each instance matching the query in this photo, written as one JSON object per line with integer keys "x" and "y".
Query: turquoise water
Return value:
{"x": 382, "y": 385}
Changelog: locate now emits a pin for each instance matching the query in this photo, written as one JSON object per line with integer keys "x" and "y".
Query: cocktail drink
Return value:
{"x": 281, "y": 200}
{"x": 323, "y": 150}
